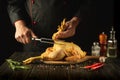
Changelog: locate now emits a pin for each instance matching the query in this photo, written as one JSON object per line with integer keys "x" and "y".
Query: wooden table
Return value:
{"x": 42, "y": 71}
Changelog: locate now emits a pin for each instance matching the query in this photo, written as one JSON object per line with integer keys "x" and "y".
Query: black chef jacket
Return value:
{"x": 43, "y": 16}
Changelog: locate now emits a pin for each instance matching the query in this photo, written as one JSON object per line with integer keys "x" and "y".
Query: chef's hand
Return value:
{"x": 70, "y": 28}
{"x": 23, "y": 34}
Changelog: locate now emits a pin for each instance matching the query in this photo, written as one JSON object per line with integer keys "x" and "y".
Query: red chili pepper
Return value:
{"x": 93, "y": 65}
{"x": 96, "y": 67}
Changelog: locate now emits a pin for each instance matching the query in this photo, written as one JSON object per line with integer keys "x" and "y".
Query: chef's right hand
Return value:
{"x": 23, "y": 34}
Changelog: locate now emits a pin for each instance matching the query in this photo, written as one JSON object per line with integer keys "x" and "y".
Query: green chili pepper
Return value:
{"x": 16, "y": 65}
{"x": 14, "y": 62}
{"x": 22, "y": 67}
{"x": 11, "y": 66}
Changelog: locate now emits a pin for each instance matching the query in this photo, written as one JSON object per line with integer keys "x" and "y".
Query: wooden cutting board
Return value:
{"x": 66, "y": 62}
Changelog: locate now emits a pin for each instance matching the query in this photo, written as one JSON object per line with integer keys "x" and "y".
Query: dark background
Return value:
{"x": 99, "y": 16}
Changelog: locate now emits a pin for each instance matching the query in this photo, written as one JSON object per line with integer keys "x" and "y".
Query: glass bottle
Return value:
{"x": 103, "y": 43}
{"x": 95, "y": 50}
{"x": 112, "y": 45}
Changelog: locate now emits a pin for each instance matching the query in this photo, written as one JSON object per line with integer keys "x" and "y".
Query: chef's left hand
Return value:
{"x": 70, "y": 28}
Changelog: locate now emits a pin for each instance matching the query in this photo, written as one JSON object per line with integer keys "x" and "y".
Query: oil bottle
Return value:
{"x": 112, "y": 44}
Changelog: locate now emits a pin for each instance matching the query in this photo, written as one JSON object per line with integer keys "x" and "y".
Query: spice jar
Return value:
{"x": 95, "y": 49}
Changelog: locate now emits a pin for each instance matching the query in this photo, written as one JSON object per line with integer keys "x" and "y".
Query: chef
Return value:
{"x": 40, "y": 18}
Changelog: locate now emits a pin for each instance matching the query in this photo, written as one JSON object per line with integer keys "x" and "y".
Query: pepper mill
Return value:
{"x": 103, "y": 44}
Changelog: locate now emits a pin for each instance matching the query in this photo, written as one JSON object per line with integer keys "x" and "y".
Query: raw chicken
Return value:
{"x": 61, "y": 50}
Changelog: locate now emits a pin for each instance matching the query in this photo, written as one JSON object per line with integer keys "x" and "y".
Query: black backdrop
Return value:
{"x": 98, "y": 17}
